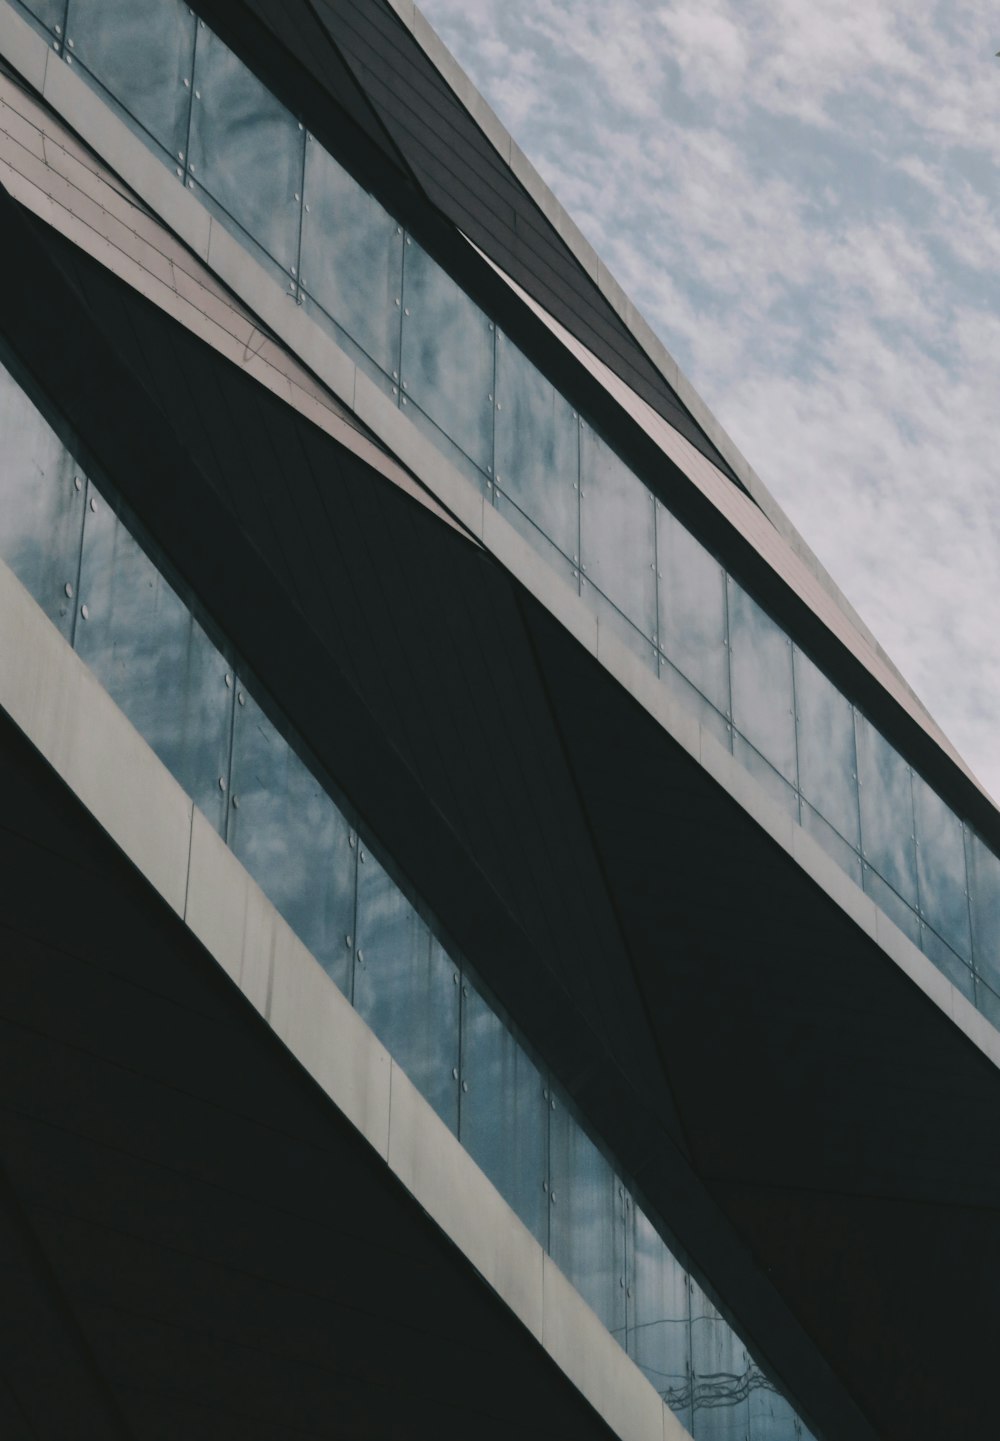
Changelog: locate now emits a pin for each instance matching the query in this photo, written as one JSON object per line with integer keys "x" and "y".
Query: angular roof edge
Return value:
{"x": 511, "y": 153}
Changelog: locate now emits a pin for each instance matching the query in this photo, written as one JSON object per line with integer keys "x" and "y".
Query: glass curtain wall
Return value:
{"x": 413, "y": 330}
{"x": 64, "y": 538}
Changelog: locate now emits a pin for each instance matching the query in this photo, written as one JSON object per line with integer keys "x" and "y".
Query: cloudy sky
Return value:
{"x": 803, "y": 198}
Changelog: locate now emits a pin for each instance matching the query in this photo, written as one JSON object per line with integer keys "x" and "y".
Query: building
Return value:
{"x": 492, "y": 945}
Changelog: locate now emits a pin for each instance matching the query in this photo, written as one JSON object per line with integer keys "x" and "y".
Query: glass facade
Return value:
{"x": 404, "y": 320}
{"x": 188, "y": 698}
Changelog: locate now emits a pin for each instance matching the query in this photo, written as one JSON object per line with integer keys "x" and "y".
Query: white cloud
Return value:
{"x": 802, "y": 197}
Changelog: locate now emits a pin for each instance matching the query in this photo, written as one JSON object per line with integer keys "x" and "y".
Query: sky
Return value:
{"x": 803, "y": 199}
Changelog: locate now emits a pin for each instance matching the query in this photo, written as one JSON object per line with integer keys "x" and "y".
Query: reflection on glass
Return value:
{"x": 50, "y": 12}
{"x": 827, "y": 762}
{"x": 944, "y": 901}
{"x": 659, "y": 1335}
{"x": 904, "y": 916}
{"x": 767, "y": 777}
{"x": 692, "y": 589}
{"x": 617, "y": 534}
{"x": 142, "y": 52}
{"x": 721, "y": 1374}
{"x": 586, "y": 1219}
{"x": 537, "y": 448}
{"x": 610, "y": 618}
{"x": 144, "y": 645}
{"x": 832, "y": 842}
{"x": 246, "y": 150}
{"x": 292, "y": 839}
{"x": 447, "y": 364}
{"x": 352, "y": 258}
{"x": 406, "y": 988}
{"x": 504, "y": 1118}
{"x": 771, "y": 1417}
{"x": 42, "y": 498}
{"x": 958, "y": 971}
{"x": 761, "y": 661}
{"x": 886, "y": 812}
{"x": 984, "y": 899}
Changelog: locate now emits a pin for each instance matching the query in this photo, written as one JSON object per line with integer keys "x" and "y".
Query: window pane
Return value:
{"x": 832, "y": 842}
{"x": 761, "y": 659}
{"x": 41, "y": 506}
{"x": 886, "y": 811}
{"x": 617, "y": 532}
{"x": 447, "y": 364}
{"x": 49, "y": 12}
{"x": 767, "y": 777}
{"x": 246, "y": 149}
{"x": 771, "y": 1417}
{"x": 944, "y": 902}
{"x": 292, "y": 839}
{"x": 406, "y": 988}
{"x": 720, "y": 1381}
{"x": 659, "y": 1337}
{"x": 984, "y": 895}
{"x": 142, "y": 51}
{"x": 504, "y": 1120}
{"x": 692, "y": 590}
{"x": 904, "y": 916}
{"x": 827, "y": 762}
{"x": 586, "y": 1219}
{"x": 958, "y": 971}
{"x": 155, "y": 661}
{"x": 537, "y": 448}
{"x": 352, "y": 258}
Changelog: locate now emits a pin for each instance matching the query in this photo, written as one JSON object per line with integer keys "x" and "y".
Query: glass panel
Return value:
{"x": 944, "y": 900}
{"x": 761, "y": 660}
{"x": 988, "y": 1002}
{"x": 154, "y": 660}
{"x": 352, "y": 258}
{"x": 692, "y": 609}
{"x": 537, "y": 448}
{"x": 42, "y": 497}
{"x": 558, "y": 562}
{"x": 617, "y": 532}
{"x": 407, "y": 988}
{"x": 886, "y": 811}
{"x": 246, "y": 149}
{"x": 292, "y": 839}
{"x": 827, "y": 763}
{"x": 984, "y": 896}
{"x": 720, "y": 1367}
{"x": 771, "y": 1417}
{"x": 896, "y": 909}
{"x": 767, "y": 777}
{"x": 504, "y": 1117}
{"x": 610, "y": 618}
{"x": 447, "y": 364}
{"x": 50, "y": 12}
{"x": 586, "y": 1219}
{"x": 832, "y": 842}
{"x": 959, "y": 972}
{"x": 142, "y": 51}
{"x": 695, "y": 702}
{"x": 659, "y": 1337}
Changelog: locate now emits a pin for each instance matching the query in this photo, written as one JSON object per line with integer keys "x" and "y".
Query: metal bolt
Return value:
{"x": 93, "y": 504}
{"x": 241, "y": 698}
{"x": 361, "y": 955}
{"x": 69, "y": 590}
{"x": 222, "y": 783}
{"x": 348, "y": 940}
{"x": 296, "y": 196}
{"x": 454, "y": 1073}
{"x": 85, "y": 612}
{"x": 77, "y": 483}
{"x": 236, "y": 803}
{"x": 197, "y": 94}
{"x": 362, "y": 856}
{"x": 465, "y": 1085}
{"x": 187, "y": 83}
{"x": 229, "y": 681}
